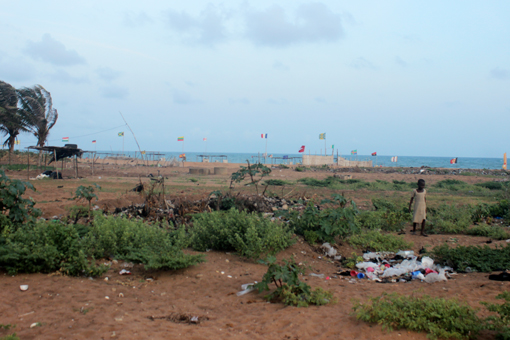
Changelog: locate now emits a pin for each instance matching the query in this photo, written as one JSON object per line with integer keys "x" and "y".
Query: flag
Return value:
{"x": 180, "y": 139}
{"x": 94, "y": 141}
{"x": 394, "y": 158}
{"x": 286, "y": 157}
{"x": 205, "y": 139}
{"x": 322, "y": 136}
{"x": 374, "y": 153}
{"x": 143, "y": 152}
{"x": 302, "y": 149}
{"x": 504, "y": 161}
{"x": 182, "y": 155}
{"x": 262, "y": 135}
{"x": 354, "y": 152}
{"x": 65, "y": 139}
{"x": 121, "y": 134}
{"x": 333, "y": 146}
{"x": 453, "y": 161}
{"x": 16, "y": 142}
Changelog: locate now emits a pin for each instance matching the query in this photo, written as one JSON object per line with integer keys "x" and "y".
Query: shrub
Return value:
{"x": 289, "y": 288}
{"x": 450, "y": 219}
{"x": 45, "y": 247}
{"x": 251, "y": 235}
{"x": 491, "y": 185}
{"x": 438, "y": 317}
{"x": 374, "y": 240}
{"x": 300, "y": 169}
{"x": 482, "y": 259}
{"x": 139, "y": 242}
{"x": 276, "y": 182}
{"x": 494, "y": 232}
{"x": 500, "y": 322}
{"x": 14, "y": 208}
{"x": 327, "y": 223}
{"x": 87, "y": 193}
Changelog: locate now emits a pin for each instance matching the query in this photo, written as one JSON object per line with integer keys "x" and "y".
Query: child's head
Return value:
{"x": 421, "y": 183}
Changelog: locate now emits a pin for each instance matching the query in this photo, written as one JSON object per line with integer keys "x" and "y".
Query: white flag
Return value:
{"x": 394, "y": 158}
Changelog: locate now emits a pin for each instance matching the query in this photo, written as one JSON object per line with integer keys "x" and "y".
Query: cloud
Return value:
{"x": 362, "y": 63}
{"x": 184, "y": 98}
{"x": 136, "y": 20}
{"x": 207, "y": 28}
{"x": 500, "y": 73}
{"x": 16, "y": 69}
{"x": 116, "y": 92}
{"x": 107, "y": 74}
{"x": 312, "y": 22}
{"x": 400, "y": 61}
{"x": 52, "y": 51}
{"x": 243, "y": 100}
{"x": 280, "y": 66}
{"x": 64, "y": 77}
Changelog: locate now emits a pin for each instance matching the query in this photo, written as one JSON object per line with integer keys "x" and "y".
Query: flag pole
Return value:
{"x": 265, "y": 154}
{"x": 325, "y": 147}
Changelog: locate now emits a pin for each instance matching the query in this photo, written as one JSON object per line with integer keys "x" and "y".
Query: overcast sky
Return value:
{"x": 397, "y": 77}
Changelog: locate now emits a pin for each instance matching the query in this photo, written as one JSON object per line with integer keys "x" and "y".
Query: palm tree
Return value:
{"x": 12, "y": 121}
{"x": 37, "y": 106}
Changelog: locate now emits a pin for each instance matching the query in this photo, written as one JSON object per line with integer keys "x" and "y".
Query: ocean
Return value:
{"x": 385, "y": 161}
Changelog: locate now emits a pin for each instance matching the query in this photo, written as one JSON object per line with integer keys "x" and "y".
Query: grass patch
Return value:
{"x": 493, "y": 232}
{"x": 250, "y": 235}
{"x": 473, "y": 258}
{"x": 438, "y": 317}
{"x": 374, "y": 240}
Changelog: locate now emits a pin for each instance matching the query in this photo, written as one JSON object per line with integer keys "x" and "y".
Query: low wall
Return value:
{"x": 318, "y": 160}
{"x": 348, "y": 163}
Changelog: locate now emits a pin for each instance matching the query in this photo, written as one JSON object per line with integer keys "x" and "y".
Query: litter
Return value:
{"x": 403, "y": 266}
{"x": 246, "y": 288}
{"x": 125, "y": 272}
{"x": 23, "y": 288}
{"x": 321, "y": 276}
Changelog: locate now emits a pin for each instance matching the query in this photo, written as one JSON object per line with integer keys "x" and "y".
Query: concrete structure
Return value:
{"x": 350, "y": 164}
{"x": 318, "y": 160}
{"x": 220, "y": 171}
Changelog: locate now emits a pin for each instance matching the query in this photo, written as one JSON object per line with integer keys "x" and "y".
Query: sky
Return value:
{"x": 402, "y": 78}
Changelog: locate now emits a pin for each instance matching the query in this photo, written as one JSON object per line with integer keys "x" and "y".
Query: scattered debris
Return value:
{"x": 181, "y": 318}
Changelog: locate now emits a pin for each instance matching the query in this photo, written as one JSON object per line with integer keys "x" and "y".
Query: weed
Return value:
{"x": 500, "y": 322}
{"x": 482, "y": 259}
{"x": 251, "y": 235}
{"x": 193, "y": 180}
{"x": 289, "y": 288}
{"x": 450, "y": 219}
{"x": 14, "y": 209}
{"x": 300, "y": 169}
{"x": 87, "y": 193}
{"x": 438, "y": 317}
{"x": 494, "y": 232}
{"x": 327, "y": 223}
{"x": 492, "y": 185}
{"x": 374, "y": 240}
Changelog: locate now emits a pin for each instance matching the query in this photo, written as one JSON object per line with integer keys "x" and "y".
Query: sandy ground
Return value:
{"x": 137, "y": 308}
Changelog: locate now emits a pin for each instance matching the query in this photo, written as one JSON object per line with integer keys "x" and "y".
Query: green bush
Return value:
{"x": 482, "y": 259}
{"x": 449, "y": 183}
{"x": 438, "y": 317}
{"x": 491, "y": 185}
{"x": 277, "y": 182}
{"x": 289, "y": 288}
{"x": 45, "y": 247}
{"x": 327, "y": 223}
{"x": 501, "y": 322}
{"x": 14, "y": 208}
{"x": 374, "y": 240}
{"x": 450, "y": 219}
{"x": 139, "y": 242}
{"x": 251, "y": 235}
{"x": 494, "y": 232}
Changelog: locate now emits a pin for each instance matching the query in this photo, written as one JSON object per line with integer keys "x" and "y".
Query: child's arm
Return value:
{"x": 410, "y": 203}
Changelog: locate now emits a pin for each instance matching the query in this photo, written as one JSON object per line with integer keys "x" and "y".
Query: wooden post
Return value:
{"x": 56, "y": 164}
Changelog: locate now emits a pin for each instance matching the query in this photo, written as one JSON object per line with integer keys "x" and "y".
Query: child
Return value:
{"x": 420, "y": 207}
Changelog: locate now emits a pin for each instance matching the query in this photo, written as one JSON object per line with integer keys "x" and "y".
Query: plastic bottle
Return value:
{"x": 246, "y": 288}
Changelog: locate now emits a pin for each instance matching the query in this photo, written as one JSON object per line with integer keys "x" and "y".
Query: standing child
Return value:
{"x": 420, "y": 207}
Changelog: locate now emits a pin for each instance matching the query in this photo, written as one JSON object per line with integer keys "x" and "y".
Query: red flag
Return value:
{"x": 302, "y": 149}
{"x": 262, "y": 135}
{"x": 374, "y": 153}
{"x": 453, "y": 161}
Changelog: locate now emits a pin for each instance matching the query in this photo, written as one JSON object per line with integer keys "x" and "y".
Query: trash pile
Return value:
{"x": 386, "y": 267}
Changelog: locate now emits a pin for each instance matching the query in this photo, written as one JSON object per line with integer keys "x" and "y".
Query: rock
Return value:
{"x": 198, "y": 276}
{"x": 285, "y": 207}
{"x": 23, "y": 288}
{"x": 274, "y": 208}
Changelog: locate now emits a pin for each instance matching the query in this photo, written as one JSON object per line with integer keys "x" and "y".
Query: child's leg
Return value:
{"x": 414, "y": 227}
{"x": 423, "y": 228}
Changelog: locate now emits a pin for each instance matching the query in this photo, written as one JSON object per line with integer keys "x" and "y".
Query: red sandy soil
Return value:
{"x": 77, "y": 308}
